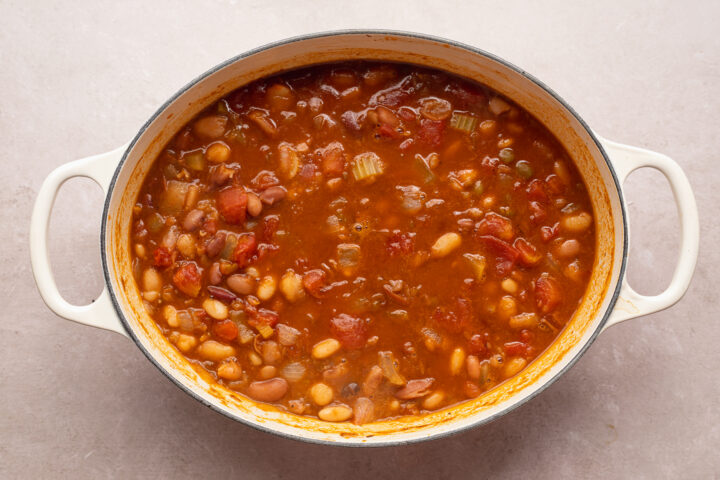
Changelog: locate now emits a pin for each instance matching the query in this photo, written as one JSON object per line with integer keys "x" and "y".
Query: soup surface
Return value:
{"x": 361, "y": 241}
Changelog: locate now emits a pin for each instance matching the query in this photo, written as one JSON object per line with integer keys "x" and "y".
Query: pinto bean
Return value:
{"x": 272, "y": 195}
{"x": 270, "y": 390}
{"x": 254, "y": 205}
{"x": 215, "y": 244}
{"x": 241, "y": 284}
{"x": 214, "y": 274}
{"x": 193, "y": 220}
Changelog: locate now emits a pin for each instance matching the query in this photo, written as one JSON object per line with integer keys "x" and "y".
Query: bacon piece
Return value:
{"x": 244, "y": 250}
{"x": 314, "y": 282}
{"x": 350, "y": 331}
{"x": 548, "y": 294}
{"x": 232, "y": 205}
{"x": 497, "y": 226}
{"x": 225, "y": 330}
{"x": 430, "y": 132}
{"x": 333, "y": 159}
{"x": 188, "y": 279}
{"x": 505, "y": 254}
{"x": 529, "y": 255}
{"x": 162, "y": 257}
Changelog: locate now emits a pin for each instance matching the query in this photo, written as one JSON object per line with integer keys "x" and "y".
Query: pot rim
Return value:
{"x": 343, "y": 442}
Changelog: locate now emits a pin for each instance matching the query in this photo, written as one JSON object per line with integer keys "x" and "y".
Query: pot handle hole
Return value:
{"x": 630, "y": 304}
{"x": 100, "y": 313}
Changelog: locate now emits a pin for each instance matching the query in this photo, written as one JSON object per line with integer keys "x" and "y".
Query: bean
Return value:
{"x": 210, "y": 127}
{"x": 217, "y": 153}
{"x": 496, "y": 361}
{"x": 335, "y": 413}
{"x": 255, "y": 359}
{"x": 140, "y": 250}
{"x": 254, "y": 204}
{"x": 241, "y": 284}
{"x": 445, "y": 244}
{"x": 215, "y": 308}
{"x": 215, "y": 245}
{"x": 473, "y": 367}
{"x": 487, "y": 127}
{"x": 151, "y": 296}
{"x": 185, "y": 343}
{"x": 507, "y": 307}
{"x": 271, "y": 352}
{"x": 509, "y": 285}
{"x": 270, "y": 390}
{"x": 457, "y": 359}
{"x": 266, "y": 288}
{"x": 279, "y": 97}
{"x": 230, "y": 370}
{"x": 214, "y": 274}
{"x": 523, "y": 320}
{"x": 576, "y": 223}
{"x": 433, "y": 401}
{"x": 215, "y": 351}
{"x": 321, "y": 394}
{"x": 568, "y": 248}
{"x": 186, "y": 245}
{"x": 291, "y": 286}
{"x": 513, "y": 366}
{"x": 193, "y": 220}
{"x": 325, "y": 348}
{"x": 372, "y": 380}
{"x": 151, "y": 280}
{"x": 170, "y": 314}
{"x": 268, "y": 371}
{"x": 273, "y": 194}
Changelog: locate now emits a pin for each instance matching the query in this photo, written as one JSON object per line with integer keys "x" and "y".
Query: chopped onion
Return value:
{"x": 389, "y": 367}
{"x": 287, "y": 335}
{"x": 348, "y": 255}
{"x": 245, "y": 335}
{"x": 412, "y": 199}
{"x": 478, "y": 264}
{"x": 173, "y": 200}
{"x": 363, "y": 411}
{"x": 293, "y": 372}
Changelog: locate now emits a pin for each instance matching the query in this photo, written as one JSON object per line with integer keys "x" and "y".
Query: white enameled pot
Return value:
{"x": 604, "y": 165}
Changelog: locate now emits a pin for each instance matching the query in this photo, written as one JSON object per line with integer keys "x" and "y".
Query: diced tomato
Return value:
{"x": 314, "y": 282}
{"x": 163, "y": 258}
{"x": 262, "y": 316}
{"x": 554, "y": 184}
{"x": 477, "y": 345}
{"x": 270, "y": 226}
{"x": 431, "y": 132}
{"x": 350, "y": 331}
{"x": 529, "y": 255}
{"x": 225, "y": 330}
{"x": 333, "y": 159}
{"x": 536, "y": 191}
{"x": 386, "y": 131}
{"x": 264, "y": 250}
{"x": 538, "y": 214}
{"x": 548, "y": 233}
{"x": 466, "y": 94}
{"x": 350, "y": 120}
{"x": 457, "y": 319}
{"x": 497, "y": 226}
{"x": 548, "y": 294}
{"x": 400, "y": 244}
{"x": 515, "y": 349}
{"x": 505, "y": 254}
{"x": 232, "y": 205}
{"x": 188, "y": 279}
{"x": 245, "y": 249}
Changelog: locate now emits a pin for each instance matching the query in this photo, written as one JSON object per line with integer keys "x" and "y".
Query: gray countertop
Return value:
{"x": 80, "y": 78}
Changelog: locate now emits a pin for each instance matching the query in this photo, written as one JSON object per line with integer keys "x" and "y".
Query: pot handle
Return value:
{"x": 630, "y": 304}
{"x": 100, "y": 313}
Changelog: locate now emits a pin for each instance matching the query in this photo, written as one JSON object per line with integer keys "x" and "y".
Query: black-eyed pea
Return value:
{"x": 170, "y": 315}
{"x": 230, "y": 370}
{"x": 335, "y": 413}
{"x": 185, "y": 343}
{"x": 151, "y": 280}
{"x": 497, "y": 361}
{"x": 215, "y": 351}
{"x": 433, "y": 401}
{"x": 266, "y": 372}
{"x": 215, "y": 308}
{"x": 291, "y": 286}
{"x": 321, "y": 394}
{"x": 445, "y": 244}
{"x": 513, "y": 366}
{"x": 474, "y": 370}
{"x": 266, "y": 288}
{"x": 457, "y": 360}
{"x": 325, "y": 348}
{"x": 576, "y": 222}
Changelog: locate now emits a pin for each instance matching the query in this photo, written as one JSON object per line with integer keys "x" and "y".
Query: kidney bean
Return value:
{"x": 272, "y": 195}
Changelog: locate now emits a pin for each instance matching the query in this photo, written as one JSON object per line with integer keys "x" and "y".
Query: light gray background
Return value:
{"x": 79, "y": 78}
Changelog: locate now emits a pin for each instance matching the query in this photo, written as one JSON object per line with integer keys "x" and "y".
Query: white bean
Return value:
{"x": 444, "y": 245}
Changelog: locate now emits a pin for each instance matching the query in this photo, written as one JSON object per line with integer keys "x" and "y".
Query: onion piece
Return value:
{"x": 293, "y": 372}
{"x": 389, "y": 367}
{"x": 287, "y": 335}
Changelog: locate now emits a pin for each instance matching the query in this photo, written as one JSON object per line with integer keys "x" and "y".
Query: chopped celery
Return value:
{"x": 366, "y": 165}
{"x": 265, "y": 330}
{"x": 463, "y": 122}
{"x": 195, "y": 160}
